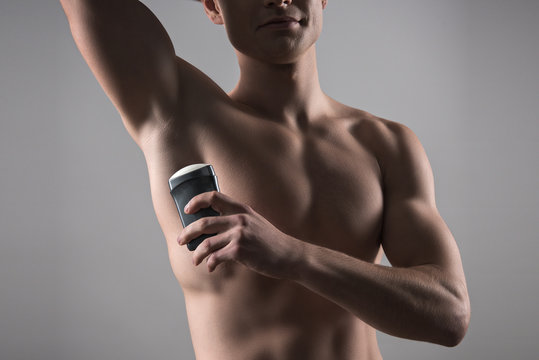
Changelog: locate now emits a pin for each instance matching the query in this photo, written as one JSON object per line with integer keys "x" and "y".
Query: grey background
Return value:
{"x": 84, "y": 271}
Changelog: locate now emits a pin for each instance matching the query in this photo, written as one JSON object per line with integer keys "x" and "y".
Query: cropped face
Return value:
{"x": 269, "y": 30}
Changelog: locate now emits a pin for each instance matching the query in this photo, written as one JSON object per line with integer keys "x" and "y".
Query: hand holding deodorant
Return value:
{"x": 185, "y": 184}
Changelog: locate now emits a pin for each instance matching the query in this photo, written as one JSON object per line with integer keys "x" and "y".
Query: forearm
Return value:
{"x": 416, "y": 303}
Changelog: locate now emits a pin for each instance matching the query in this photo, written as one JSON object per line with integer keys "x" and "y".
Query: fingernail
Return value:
{"x": 186, "y": 208}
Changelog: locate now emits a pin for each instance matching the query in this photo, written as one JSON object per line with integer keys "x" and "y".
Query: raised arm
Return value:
{"x": 133, "y": 58}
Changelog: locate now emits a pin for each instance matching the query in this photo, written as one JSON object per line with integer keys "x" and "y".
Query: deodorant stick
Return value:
{"x": 185, "y": 184}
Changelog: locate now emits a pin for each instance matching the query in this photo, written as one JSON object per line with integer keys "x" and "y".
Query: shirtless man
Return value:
{"x": 312, "y": 191}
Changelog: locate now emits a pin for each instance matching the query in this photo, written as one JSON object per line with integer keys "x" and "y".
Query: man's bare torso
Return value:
{"x": 320, "y": 183}
{"x": 319, "y": 172}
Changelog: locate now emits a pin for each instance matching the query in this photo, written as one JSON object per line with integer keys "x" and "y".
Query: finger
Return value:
{"x": 210, "y": 245}
{"x": 226, "y": 253}
{"x": 220, "y": 202}
{"x": 205, "y": 225}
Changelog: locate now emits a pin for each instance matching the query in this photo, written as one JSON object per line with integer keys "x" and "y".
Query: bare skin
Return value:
{"x": 312, "y": 191}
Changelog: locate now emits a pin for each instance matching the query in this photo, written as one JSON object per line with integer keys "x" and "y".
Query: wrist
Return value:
{"x": 300, "y": 260}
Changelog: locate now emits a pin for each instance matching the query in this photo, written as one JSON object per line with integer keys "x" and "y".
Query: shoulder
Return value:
{"x": 386, "y": 138}
{"x": 401, "y": 156}
{"x": 394, "y": 145}
{"x": 397, "y": 142}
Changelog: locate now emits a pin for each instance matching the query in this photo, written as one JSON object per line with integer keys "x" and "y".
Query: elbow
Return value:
{"x": 457, "y": 325}
{"x": 455, "y": 336}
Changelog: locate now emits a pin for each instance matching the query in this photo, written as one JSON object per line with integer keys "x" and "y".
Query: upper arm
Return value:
{"x": 413, "y": 232}
{"x": 130, "y": 54}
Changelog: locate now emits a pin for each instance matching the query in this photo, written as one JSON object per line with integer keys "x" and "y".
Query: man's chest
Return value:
{"x": 320, "y": 185}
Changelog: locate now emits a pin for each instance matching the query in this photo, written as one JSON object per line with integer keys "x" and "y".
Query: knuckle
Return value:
{"x": 241, "y": 219}
{"x": 235, "y": 250}
{"x": 206, "y": 245}
{"x": 204, "y": 222}
{"x": 238, "y": 237}
{"x": 238, "y": 233}
{"x": 214, "y": 201}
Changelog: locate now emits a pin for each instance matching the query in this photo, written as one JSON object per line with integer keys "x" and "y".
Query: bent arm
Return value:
{"x": 419, "y": 302}
{"x": 424, "y": 296}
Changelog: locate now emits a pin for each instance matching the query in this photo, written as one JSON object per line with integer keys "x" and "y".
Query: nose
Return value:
{"x": 277, "y": 3}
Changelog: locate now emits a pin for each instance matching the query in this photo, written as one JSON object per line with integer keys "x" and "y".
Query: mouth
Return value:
{"x": 284, "y": 22}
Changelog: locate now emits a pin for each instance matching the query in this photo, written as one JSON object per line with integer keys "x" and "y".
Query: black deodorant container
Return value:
{"x": 185, "y": 184}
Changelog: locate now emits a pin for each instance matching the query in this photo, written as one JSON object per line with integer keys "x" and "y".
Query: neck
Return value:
{"x": 285, "y": 93}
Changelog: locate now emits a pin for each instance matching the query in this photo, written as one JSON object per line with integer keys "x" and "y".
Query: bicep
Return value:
{"x": 413, "y": 232}
{"x": 130, "y": 54}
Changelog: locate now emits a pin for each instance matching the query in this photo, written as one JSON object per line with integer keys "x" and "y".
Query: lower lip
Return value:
{"x": 282, "y": 25}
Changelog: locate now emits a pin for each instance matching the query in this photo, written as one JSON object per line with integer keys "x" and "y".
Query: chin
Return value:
{"x": 285, "y": 51}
